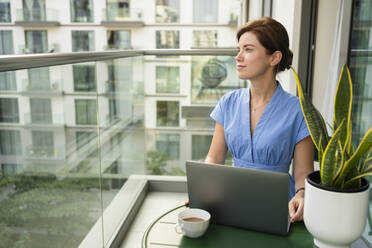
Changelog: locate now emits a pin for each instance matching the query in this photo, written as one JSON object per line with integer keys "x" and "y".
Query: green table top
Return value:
{"x": 162, "y": 234}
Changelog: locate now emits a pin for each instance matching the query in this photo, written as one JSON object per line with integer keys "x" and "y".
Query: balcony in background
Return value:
{"x": 44, "y": 120}
{"x": 54, "y": 88}
{"x": 37, "y": 17}
{"x": 45, "y": 152}
{"x": 122, "y": 18}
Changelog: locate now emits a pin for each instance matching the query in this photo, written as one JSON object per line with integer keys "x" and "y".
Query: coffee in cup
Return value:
{"x": 193, "y": 222}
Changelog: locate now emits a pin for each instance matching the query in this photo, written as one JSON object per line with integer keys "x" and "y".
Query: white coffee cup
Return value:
{"x": 193, "y": 222}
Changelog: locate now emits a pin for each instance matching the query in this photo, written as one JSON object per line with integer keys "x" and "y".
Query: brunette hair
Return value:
{"x": 273, "y": 36}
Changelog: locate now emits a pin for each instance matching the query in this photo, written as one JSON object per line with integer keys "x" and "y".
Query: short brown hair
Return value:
{"x": 273, "y": 36}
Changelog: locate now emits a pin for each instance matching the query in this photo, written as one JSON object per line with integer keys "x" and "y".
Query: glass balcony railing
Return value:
{"x": 41, "y": 48}
{"x": 122, "y": 15}
{"x": 136, "y": 128}
{"x": 37, "y": 15}
{"x": 44, "y": 119}
{"x": 49, "y": 87}
{"x": 45, "y": 152}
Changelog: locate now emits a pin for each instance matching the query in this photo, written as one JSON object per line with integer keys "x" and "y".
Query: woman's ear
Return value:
{"x": 276, "y": 57}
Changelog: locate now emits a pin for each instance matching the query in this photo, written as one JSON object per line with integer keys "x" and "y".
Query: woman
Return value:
{"x": 263, "y": 126}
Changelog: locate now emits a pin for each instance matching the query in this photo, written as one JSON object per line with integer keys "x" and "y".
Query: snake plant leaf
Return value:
{"x": 367, "y": 165}
{"x": 340, "y": 160}
{"x": 365, "y": 162}
{"x": 313, "y": 118}
{"x": 358, "y": 177}
{"x": 329, "y": 162}
{"x": 342, "y": 106}
{"x": 352, "y": 162}
{"x": 320, "y": 151}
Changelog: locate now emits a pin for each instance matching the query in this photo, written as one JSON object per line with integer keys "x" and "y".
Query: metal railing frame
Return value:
{"x": 18, "y": 62}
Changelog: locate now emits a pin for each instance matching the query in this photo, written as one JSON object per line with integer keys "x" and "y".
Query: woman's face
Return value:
{"x": 252, "y": 60}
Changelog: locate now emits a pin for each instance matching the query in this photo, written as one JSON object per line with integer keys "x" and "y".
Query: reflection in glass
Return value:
{"x": 36, "y": 41}
{"x": 117, "y": 10}
{"x": 5, "y": 11}
{"x": 360, "y": 63}
{"x": 83, "y": 138}
{"x": 82, "y": 41}
{"x": 42, "y": 143}
{"x": 38, "y": 79}
{"x": 8, "y": 81}
{"x": 167, "y": 39}
{"x": 10, "y": 142}
{"x": 86, "y": 112}
{"x": 118, "y": 39}
{"x": 81, "y": 11}
{"x": 168, "y": 144}
{"x": 41, "y": 110}
{"x": 205, "y": 11}
{"x": 212, "y": 77}
{"x": 84, "y": 77}
{"x": 9, "y": 110}
{"x": 167, "y": 113}
{"x": 200, "y": 146}
{"x": 167, "y": 11}
{"x": 204, "y": 38}
{"x": 6, "y": 41}
{"x": 34, "y": 10}
{"x": 167, "y": 79}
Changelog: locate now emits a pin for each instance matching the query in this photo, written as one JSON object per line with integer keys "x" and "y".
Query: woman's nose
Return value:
{"x": 238, "y": 57}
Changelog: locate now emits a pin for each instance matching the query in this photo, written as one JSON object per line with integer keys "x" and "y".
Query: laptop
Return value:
{"x": 240, "y": 197}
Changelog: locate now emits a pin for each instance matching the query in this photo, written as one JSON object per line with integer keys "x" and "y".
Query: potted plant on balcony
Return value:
{"x": 336, "y": 198}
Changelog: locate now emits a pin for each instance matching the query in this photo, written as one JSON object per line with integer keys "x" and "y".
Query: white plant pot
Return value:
{"x": 335, "y": 219}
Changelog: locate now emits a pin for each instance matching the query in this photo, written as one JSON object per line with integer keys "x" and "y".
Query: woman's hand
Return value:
{"x": 296, "y": 207}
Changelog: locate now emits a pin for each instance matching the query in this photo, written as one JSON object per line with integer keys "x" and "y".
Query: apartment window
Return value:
{"x": 360, "y": 63}
{"x": 169, "y": 144}
{"x": 83, "y": 138}
{"x": 6, "y": 42}
{"x": 204, "y": 38}
{"x": 200, "y": 146}
{"x": 86, "y": 112}
{"x": 34, "y": 10}
{"x": 42, "y": 143}
{"x": 167, "y": 11}
{"x": 81, "y": 11}
{"x": 167, "y": 39}
{"x": 10, "y": 142}
{"x": 8, "y": 81}
{"x": 11, "y": 169}
{"x": 167, "y": 113}
{"x": 38, "y": 79}
{"x": 205, "y": 11}
{"x": 113, "y": 113}
{"x": 84, "y": 77}
{"x": 118, "y": 39}
{"x": 41, "y": 110}
{"x": 36, "y": 41}
{"x": 167, "y": 79}
{"x": 9, "y": 110}
{"x": 5, "y": 11}
{"x": 117, "y": 10}
{"x": 82, "y": 41}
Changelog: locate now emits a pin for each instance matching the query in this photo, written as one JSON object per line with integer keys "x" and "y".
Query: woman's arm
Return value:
{"x": 303, "y": 162}
{"x": 218, "y": 148}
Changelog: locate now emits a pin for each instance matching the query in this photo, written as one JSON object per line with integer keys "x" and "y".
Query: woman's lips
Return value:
{"x": 240, "y": 67}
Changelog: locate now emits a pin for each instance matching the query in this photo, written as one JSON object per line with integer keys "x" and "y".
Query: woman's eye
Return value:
{"x": 248, "y": 49}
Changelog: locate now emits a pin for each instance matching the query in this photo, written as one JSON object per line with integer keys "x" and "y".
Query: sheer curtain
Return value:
{"x": 335, "y": 65}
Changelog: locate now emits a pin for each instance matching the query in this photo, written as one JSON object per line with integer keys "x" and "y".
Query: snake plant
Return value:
{"x": 341, "y": 167}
